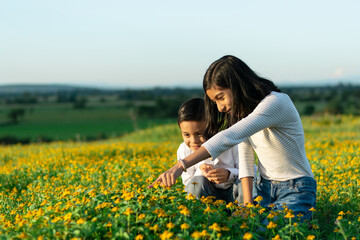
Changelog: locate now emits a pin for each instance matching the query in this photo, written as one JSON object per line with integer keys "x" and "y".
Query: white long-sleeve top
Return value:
{"x": 228, "y": 160}
{"x": 274, "y": 131}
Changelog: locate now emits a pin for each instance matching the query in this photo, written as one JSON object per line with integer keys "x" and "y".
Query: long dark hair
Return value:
{"x": 247, "y": 88}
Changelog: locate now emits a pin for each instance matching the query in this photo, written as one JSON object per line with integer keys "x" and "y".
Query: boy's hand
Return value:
{"x": 169, "y": 177}
{"x": 205, "y": 168}
{"x": 218, "y": 175}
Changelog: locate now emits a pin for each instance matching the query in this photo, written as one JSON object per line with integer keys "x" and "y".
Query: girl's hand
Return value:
{"x": 205, "y": 168}
{"x": 169, "y": 177}
{"x": 218, "y": 175}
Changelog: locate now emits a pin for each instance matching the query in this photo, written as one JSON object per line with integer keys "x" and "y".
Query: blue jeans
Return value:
{"x": 298, "y": 194}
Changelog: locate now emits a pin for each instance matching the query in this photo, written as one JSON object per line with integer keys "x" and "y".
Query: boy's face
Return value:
{"x": 193, "y": 134}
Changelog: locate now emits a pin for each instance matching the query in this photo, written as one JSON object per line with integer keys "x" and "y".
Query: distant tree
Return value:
{"x": 15, "y": 114}
{"x": 335, "y": 106}
{"x": 309, "y": 109}
{"x": 80, "y": 103}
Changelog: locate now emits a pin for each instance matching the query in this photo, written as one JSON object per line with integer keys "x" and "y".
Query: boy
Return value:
{"x": 218, "y": 178}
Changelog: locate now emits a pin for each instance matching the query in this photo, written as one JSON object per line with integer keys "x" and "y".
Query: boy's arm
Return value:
{"x": 182, "y": 152}
{"x": 168, "y": 178}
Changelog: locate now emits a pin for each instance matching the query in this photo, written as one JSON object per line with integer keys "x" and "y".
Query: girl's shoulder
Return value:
{"x": 276, "y": 98}
{"x": 274, "y": 103}
{"x": 280, "y": 96}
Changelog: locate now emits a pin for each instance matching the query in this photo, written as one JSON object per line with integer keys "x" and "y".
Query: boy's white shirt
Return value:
{"x": 228, "y": 160}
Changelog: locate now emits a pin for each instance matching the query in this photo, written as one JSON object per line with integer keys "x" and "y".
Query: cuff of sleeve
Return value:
{"x": 234, "y": 173}
{"x": 249, "y": 173}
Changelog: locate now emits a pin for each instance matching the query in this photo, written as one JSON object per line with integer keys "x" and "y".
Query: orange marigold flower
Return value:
{"x": 196, "y": 235}
{"x": 184, "y": 226}
{"x": 258, "y": 199}
{"x": 289, "y": 215}
{"x": 166, "y": 235}
{"x": 128, "y": 211}
{"x": 247, "y": 236}
{"x": 139, "y": 237}
{"x": 312, "y": 209}
{"x": 271, "y": 225}
{"x": 215, "y": 227}
{"x": 170, "y": 225}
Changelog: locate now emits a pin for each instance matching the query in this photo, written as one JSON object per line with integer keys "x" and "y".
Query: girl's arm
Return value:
{"x": 247, "y": 186}
{"x": 169, "y": 177}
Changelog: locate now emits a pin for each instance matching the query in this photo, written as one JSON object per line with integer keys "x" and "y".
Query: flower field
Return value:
{"x": 98, "y": 190}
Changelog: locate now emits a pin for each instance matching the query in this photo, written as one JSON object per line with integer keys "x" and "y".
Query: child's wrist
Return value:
{"x": 182, "y": 164}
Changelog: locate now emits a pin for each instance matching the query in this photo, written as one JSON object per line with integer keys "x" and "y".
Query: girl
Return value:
{"x": 257, "y": 117}
{"x": 218, "y": 178}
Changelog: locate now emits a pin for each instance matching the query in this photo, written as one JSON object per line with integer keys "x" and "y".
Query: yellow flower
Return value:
{"x": 22, "y": 236}
{"x": 170, "y": 225}
{"x": 225, "y": 228}
{"x": 185, "y": 211}
{"x": 289, "y": 215}
{"x": 128, "y": 211}
{"x": 341, "y": 213}
{"x": 277, "y": 237}
{"x": 204, "y": 233}
{"x": 139, "y": 237}
{"x": 141, "y": 216}
{"x": 208, "y": 210}
{"x": 94, "y": 219}
{"x": 247, "y": 236}
{"x": 258, "y": 199}
{"x": 114, "y": 209}
{"x": 108, "y": 224}
{"x": 310, "y": 237}
{"x": 262, "y": 210}
{"x": 67, "y": 217}
{"x": 184, "y": 226}
{"x": 271, "y": 225}
{"x": 155, "y": 228}
{"x": 166, "y": 235}
{"x": 312, "y": 209}
{"x": 80, "y": 221}
{"x": 244, "y": 225}
{"x": 230, "y": 205}
{"x": 215, "y": 227}
{"x": 190, "y": 197}
{"x": 196, "y": 235}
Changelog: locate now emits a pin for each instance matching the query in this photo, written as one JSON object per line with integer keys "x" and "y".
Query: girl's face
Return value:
{"x": 222, "y": 97}
{"x": 193, "y": 134}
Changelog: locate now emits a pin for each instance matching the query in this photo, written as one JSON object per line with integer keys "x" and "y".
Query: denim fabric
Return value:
{"x": 201, "y": 186}
{"x": 298, "y": 194}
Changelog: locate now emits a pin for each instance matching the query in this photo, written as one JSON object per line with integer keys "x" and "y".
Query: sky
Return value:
{"x": 164, "y": 43}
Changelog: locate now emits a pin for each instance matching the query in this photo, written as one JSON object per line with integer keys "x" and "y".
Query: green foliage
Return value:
{"x": 163, "y": 108}
{"x": 15, "y": 114}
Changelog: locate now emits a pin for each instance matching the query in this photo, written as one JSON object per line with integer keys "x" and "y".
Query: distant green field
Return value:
{"x": 62, "y": 121}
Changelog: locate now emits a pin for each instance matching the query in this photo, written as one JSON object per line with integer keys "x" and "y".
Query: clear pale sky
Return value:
{"x": 142, "y": 44}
